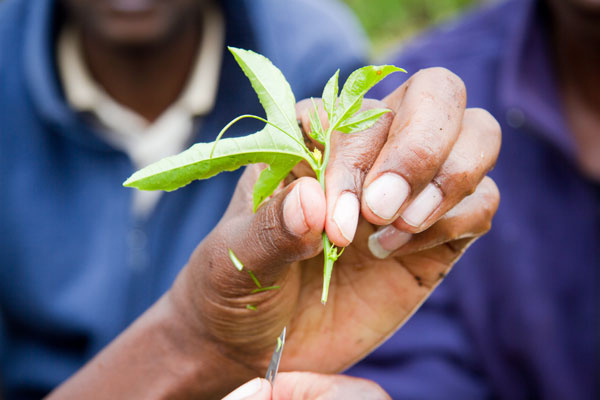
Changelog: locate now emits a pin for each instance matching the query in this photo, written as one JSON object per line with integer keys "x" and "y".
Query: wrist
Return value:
{"x": 204, "y": 368}
{"x": 157, "y": 357}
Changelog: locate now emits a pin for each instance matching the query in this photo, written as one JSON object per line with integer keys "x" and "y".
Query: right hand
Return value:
{"x": 308, "y": 385}
{"x": 430, "y": 141}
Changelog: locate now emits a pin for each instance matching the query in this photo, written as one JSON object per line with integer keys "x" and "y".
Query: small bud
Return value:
{"x": 317, "y": 154}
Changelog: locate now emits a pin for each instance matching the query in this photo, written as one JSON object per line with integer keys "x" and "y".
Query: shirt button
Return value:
{"x": 137, "y": 239}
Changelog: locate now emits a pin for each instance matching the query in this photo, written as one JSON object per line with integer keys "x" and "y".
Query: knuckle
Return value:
{"x": 424, "y": 156}
{"x": 448, "y": 81}
{"x": 490, "y": 202}
{"x": 373, "y": 103}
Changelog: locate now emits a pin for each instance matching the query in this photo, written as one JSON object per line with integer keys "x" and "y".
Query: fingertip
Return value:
{"x": 343, "y": 219}
{"x": 256, "y": 389}
{"x": 312, "y": 200}
{"x": 304, "y": 207}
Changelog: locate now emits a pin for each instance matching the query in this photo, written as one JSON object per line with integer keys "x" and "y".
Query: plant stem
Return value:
{"x": 330, "y": 253}
{"x": 329, "y": 257}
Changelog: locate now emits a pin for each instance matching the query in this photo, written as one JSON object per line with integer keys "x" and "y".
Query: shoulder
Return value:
{"x": 308, "y": 39}
{"x": 12, "y": 16}
{"x": 470, "y": 42}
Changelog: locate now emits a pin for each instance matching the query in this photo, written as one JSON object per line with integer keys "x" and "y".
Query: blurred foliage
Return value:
{"x": 388, "y": 22}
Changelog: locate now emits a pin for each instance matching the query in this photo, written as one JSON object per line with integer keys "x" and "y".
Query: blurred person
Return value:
{"x": 97, "y": 284}
{"x": 518, "y": 318}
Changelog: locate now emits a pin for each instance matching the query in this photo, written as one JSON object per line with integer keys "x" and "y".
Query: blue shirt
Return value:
{"x": 76, "y": 267}
{"x": 517, "y": 318}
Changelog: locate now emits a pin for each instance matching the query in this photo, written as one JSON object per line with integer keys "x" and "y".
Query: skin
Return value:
{"x": 308, "y": 386}
{"x": 129, "y": 44}
{"x": 200, "y": 340}
{"x": 575, "y": 38}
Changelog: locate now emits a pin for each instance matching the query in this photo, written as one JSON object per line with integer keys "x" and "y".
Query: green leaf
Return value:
{"x": 236, "y": 261}
{"x": 316, "y": 128}
{"x": 280, "y": 144}
{"x": 265, "y": 289}
{"x": 362, "y": 121}
{"x": 230, "y": 154}
{"x": 330, "y": 93}
{"x": 273, "y": 90}
{"x": 254, "y": 279}
{"x": 357, "y": 85}
{"x": 270, "y": 178}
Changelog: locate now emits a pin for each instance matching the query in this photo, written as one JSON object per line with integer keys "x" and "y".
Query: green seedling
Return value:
{"x": 280, "y": 144}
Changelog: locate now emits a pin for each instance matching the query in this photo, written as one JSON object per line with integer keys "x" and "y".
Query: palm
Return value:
{"x": 364, "y": 307}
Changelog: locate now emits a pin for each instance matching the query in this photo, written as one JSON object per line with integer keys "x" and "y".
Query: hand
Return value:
{"x": 307, "y": 385}
{"x": 406, "y": 196}
{"x": 420, "y": 172}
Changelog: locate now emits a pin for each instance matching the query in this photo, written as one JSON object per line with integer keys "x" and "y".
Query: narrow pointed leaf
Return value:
{"x": 272, "y": 88}
{"x": 230, "y": 154}
{"x": 270, "y": 146}
{"x": 236, "y": 261}
{"x": 316, "y": 128}
{"x": 357, "y": 85}
{"x": 330, "y": 93}
{"x": 362, "y": 121}
{"x": 270, "y": 178}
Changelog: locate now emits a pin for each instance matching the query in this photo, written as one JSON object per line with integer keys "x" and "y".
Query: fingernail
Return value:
{"x": 246, "y": 390}
{"x": 386, "y": 194}
{"x": 422, "y": 207}
{"x": 386, "y": 240}
{"x": 293, "y": 215}
{"x": 345, "y": 215}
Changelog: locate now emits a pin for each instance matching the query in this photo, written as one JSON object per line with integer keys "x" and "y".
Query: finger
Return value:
{"x": 309, "y": 385}
{"x": 473, "y": 155}
{"x": 256, "y": 389}
{"x": 285, "y": 229}
{"x": 468, "y": 220}
{"x": 351, "y": 157}
{"x": 429, "y": 112}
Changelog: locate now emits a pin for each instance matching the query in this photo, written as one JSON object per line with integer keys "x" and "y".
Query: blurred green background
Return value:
{"x": 389, "y": 22}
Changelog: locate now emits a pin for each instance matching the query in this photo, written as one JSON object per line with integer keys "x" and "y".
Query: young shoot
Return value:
{"x": 280, "y": 144}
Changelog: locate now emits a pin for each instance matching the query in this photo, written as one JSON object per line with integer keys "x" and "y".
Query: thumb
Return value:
{"x": 256, "y": 389}
{"x": 285, "y": 229}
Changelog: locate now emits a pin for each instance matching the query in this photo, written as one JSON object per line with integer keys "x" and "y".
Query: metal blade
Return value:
{"x": 274, "y": 364}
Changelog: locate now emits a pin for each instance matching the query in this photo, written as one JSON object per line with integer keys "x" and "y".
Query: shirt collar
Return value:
{"x": 198, "y": 96}
{"x": 529, "y": 92}
{"x": 43, "y": 19}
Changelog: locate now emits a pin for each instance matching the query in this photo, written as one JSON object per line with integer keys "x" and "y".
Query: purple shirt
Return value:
{"x": 517, "y": 318}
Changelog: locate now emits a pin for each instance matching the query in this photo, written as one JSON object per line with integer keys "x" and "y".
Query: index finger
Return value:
{"x": 429, "y": 111}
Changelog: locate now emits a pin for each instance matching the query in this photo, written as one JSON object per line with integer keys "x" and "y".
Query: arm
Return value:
{"x": 159, "y": 356}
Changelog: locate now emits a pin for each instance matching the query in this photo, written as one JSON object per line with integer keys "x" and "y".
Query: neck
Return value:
{"x": 145, "y": 79}
{"x": 576, "y": 42}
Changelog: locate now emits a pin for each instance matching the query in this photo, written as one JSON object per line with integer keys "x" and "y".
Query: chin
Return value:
{"x": 142, "y": 31}
{"x": 131, "y": 22}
